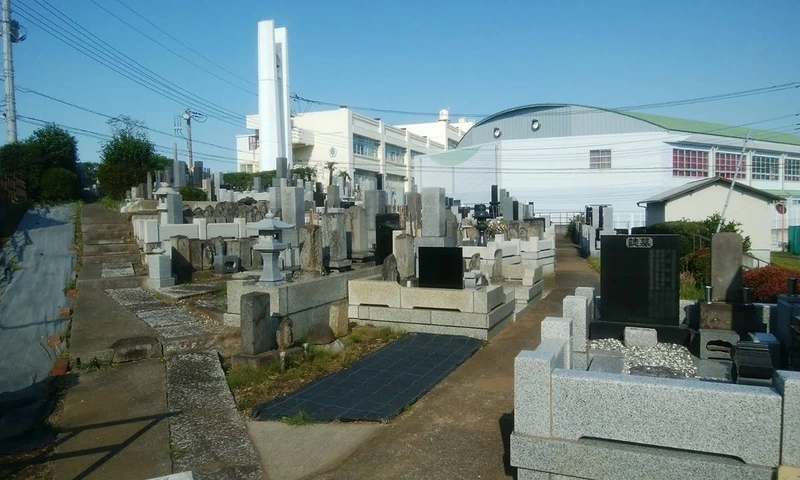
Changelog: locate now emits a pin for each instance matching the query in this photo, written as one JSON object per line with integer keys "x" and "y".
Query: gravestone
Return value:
{"x": 389, "y": 269}
{"x": 258, "y": 328}
{"x": 497, "y": 266}
{"x": 726, "y": 267}
{"x": 293, "y": 206}
{"x": 332, "y": 198}
{"x": 257, "y": 184}
{"x": 310, "y": 248}
{"x": 441, "y": 267}
{"x": 334, "y": 241}
{"x": 433, "y": 213}
{"x": 181, "y": 255}
{"x": 284, "y": 335}
{"x": 474, "y": 262}
{"x": 174, "y": 209}
{"x": 640, "y": 284}
{"x": 523, "y": 234}
{"x": 385, "y": 224}
{"x": 403, "y": 249}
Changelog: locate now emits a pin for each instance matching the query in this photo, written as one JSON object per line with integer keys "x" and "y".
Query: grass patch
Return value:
{"x": 298, "y": 419}
{"x": 110, "y": 203}
{"x": 594, "y": 262}
{"x": 95, "y": 364}
{"x": 252, "y": 385}
{"x": 689, "y": 289}
{"x": 785, "y": 260}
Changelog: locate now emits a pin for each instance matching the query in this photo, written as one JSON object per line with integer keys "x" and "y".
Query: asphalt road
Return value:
{"x": 31, "y": 300}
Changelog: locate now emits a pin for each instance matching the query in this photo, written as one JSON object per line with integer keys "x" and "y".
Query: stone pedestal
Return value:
{"x": 159, "y": 271}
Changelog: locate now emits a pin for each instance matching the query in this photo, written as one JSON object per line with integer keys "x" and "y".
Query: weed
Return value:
{"x": 66, "y": 337}
{"x": 95, "y": 364}
{"x": 298, "y": 419}
{"x": 14, "y": 265}
{"x": 355, "y": 337}
{"x": 689, "y": 289}
{"x": 387, "y": 334}
{"x": 71, "y": 285}
{"x": 594, "y": 262}
{"x": 245, "y": 375}
{"x": 175, "y": 451}
{"x": 109, "y": 203}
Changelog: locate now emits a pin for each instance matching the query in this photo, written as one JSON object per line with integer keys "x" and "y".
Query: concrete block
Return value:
{"x": 787, "y": 383}
{"x": 532, "y": 388}
{"x": 433, "y": 214}
{"x": 459, "y": 319}
{"x": 318, "y": 291}
{"x": 736, "y": 420}
{"x": 576, "y": 309}
{"x": 461, "y": 300}
{"x": 352, "y": 311}
{"x": 487, "y": 298}
{"x": 399, "y": 315}
{"x": 548, "y": 269}
{"x": 258, "y": 333}
{"x": 156, "y": 283}
{"x": 725, "y": 339}
{"x": 554, "y": 328}
{"x": 640, "y": 337}
{"x": 598, "y": 459}
{"x": 371, "y": 292}
{"x": 235, "y": 290}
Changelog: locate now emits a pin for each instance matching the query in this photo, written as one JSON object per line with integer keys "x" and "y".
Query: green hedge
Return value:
{"x": 58, "y": 185}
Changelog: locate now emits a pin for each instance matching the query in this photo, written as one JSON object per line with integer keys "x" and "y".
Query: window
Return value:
{"x": 765, "y": 168}
{"x": 792, "y": 173}
{"x": 394, "y": 153}
{"x": 451, "y": 144}
{"x": 725, "y": 165}
{"x": 365, "y": 146}
{"x": 415, "y": 154}
{"x": 253, "y": 142}
{"x": 689, "y": 163}
{"x": 599, "y": 159}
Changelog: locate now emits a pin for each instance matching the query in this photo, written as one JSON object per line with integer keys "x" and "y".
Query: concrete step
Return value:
{"x": 96, "y": 238}
{"x": 106, "y": 231}
{"x": 113, "y": 241}
{"x": 112, "y": 258}
{"x": 115, "y": 282}
{"x": 110, "y": 248}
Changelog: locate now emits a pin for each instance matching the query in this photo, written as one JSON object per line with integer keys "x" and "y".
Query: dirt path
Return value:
{"x": 460, "y": 429}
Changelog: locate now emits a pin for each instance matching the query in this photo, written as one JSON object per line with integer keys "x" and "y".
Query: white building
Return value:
{"x": 363, "y": 147}
{"x": 698, "y": 200}
{"x": 563, "y": 157}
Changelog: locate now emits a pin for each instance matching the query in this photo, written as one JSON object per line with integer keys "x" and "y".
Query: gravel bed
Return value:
{"x": 663, "y": 360}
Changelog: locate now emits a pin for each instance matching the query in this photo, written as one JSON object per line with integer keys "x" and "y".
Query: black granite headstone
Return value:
{"x": 319, "y": 199}
{"x": 441, "y": 267}
{"x": 639, "y": 281}
{"x": 515, "y": 215}
{"x": 385, "y": 223}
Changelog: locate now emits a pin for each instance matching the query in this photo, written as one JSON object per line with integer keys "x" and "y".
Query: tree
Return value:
{"x": 239, "y": 181}
{"x": 126, "y": 158}
{"x": 162, "y": 162}
{"x": 58, "y": 149}
{"x": 48, "y": 147}
{"x": 330, "y": 167}
{"x": 193, "y": 194}
{"x": 266, "y": 177}
{"x": 58, "y": 185}
{"x": 305, "y": 173}
{"x": 90, "y": 172}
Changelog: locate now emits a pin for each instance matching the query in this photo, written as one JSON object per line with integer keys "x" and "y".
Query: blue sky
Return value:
{"x": 474, "y": 57}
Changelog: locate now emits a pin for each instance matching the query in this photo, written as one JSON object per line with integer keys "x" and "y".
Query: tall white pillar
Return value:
{"x": 284, "y": 93}
{"x": 272, "y": 103}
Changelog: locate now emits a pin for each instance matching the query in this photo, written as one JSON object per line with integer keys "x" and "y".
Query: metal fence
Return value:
{"x": 12, "y": 189}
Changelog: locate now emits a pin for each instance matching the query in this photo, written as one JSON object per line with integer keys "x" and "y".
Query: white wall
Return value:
{"x": 753, "y": 213}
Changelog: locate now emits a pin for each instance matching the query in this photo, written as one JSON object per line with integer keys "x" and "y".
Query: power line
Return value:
{"x": 178, "y": 41}
{"x": 648, "y": 106}
{"x": 171, "y": 50}
{"x": 80, "y": 29}
{"x": 112, "y": 62}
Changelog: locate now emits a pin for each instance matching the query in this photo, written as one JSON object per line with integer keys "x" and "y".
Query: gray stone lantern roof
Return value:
{"x": 269, "y": 224}
{"x": 165, "y": 190}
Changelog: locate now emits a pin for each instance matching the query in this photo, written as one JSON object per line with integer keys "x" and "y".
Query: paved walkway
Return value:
{"x": 461, "y": 428}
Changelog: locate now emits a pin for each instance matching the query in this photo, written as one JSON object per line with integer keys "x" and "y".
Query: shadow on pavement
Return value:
{"x": 506, "y": 427}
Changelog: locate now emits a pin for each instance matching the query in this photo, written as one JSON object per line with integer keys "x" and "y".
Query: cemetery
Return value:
{"x": 637, "y": 383}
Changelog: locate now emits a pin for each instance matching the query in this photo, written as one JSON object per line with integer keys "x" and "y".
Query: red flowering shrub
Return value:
{"x": 768, "y": 282}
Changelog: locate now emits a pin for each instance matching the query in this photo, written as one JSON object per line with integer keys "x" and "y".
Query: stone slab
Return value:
{"x": 737, "y": 420}
{"x": 439, "y": 298}
{"x": 560, "y": 329}
{"x": 607, "y": 364}
{"x": 532, "y": 387}
{"x": 401, "y": 315}
{"x": 577, "y": 309}
{"x": 487, "y": 298}
{"x": 726, "y": 316}
{"x": 787, "y": 383}
{"x": 374, "y": 292}
{"x": 641, "y": 337}
{"x": 599, "y": 459}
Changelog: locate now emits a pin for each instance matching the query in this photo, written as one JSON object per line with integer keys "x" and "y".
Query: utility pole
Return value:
{"x": 733, "y": 182}
{"x": 11, "y": 34}
{"x": 187, "y": 117}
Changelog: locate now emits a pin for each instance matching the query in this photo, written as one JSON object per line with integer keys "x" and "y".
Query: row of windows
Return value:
{"x": 694, "y": 163}
{"x": 365, "y": 146}
{"x": 253, "y": 142}
{"x": 599, "y": 159}
{"x": 395, "y": 154}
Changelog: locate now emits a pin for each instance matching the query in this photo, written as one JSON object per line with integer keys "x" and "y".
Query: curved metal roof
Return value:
{"x": 659, "y": 121}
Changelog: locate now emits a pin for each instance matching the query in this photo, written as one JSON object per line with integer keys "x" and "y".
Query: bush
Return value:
{"x": 699, "y": 266}
{"x": 688, "y": 229}
{"x": 768, "y": 282}
{"x": 193, "y": 194}
{"x": 571, "y": 229}
{"x": 59, "y": 185}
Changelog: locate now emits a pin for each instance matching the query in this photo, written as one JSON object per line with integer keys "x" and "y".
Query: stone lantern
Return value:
{"x": 270, "y": 245}
{"x": 481, "y": 215}
{"x": 161, "y": 195}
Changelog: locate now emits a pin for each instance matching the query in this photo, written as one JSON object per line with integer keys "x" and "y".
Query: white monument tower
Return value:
{"x": 275, "y": 127}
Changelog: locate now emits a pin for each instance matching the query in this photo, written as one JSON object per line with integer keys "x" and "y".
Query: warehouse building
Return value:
{"x": 563, "y": 157}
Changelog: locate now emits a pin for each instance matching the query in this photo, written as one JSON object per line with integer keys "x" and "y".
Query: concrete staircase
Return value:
{"x": 108, "y": 240}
